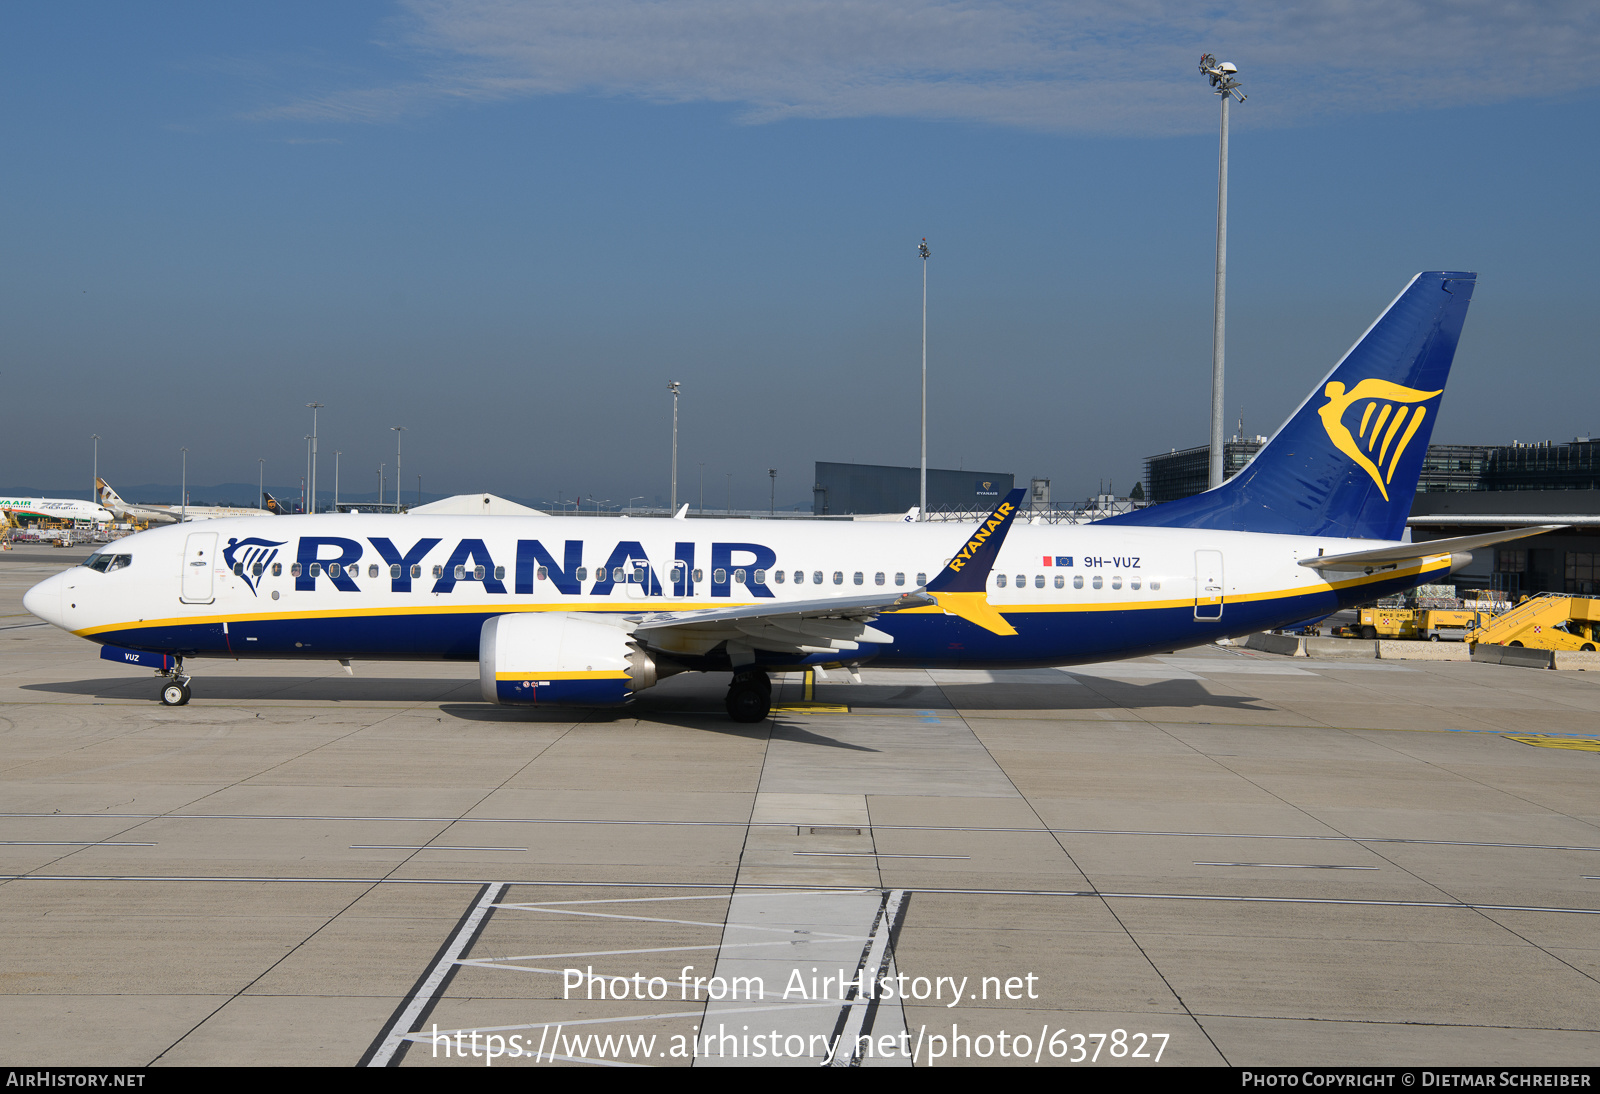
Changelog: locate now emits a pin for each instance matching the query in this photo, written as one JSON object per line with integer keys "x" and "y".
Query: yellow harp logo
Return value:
{"x": 1382, "y": 398}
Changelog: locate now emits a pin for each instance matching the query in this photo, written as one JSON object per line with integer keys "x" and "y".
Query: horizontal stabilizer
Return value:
{"x": 1415, "y": 552}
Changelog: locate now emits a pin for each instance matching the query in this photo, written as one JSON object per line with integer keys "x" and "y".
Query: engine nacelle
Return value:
{"x": 558, "y": 658}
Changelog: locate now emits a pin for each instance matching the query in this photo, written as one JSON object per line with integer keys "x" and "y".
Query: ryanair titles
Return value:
{"x": 348, "y": 564}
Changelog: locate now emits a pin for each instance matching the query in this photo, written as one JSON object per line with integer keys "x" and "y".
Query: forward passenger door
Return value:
{"x": 198, "y": 555}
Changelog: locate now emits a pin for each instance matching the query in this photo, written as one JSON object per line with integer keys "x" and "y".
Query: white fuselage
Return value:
{"x": 375, "y": 587}
{"x": 56, "y": 509}
{"x": 174, "y": 514}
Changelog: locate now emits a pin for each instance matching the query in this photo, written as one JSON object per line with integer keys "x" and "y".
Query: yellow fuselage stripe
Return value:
{"x": 609, "y": 674}
{"x": 636, "y": 607}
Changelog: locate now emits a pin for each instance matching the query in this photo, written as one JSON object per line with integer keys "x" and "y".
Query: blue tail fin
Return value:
{"x": 1346, "y": 463}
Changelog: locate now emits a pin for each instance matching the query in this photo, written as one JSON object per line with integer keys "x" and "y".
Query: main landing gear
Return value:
{"x": 175, "y": 686}
{"x": 749, "y": 696}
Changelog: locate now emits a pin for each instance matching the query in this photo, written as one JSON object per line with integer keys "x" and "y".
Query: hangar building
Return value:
{"x": 844, "y": 488}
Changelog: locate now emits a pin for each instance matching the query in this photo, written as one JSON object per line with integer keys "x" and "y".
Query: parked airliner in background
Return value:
{"x": 56, "y": 509}
{"x": 592, "y": 611}
{"x": 169, "y": 514}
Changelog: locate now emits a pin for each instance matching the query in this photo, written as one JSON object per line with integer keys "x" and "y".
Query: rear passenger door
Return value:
{"x": 1208, "y": 587}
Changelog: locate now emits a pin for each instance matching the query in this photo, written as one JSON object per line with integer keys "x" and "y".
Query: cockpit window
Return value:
{"x": 104, "y": 562}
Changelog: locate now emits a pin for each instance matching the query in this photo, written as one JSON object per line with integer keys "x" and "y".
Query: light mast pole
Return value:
{"x": 314, "y": 408}
{"x": 398, "y": 429}
{"x": 1226, "y": 87}
{"x": 922, "y": 509}
{"x": 673, "y": 387}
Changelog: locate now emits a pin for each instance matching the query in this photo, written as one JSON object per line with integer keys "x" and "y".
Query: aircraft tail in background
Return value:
{"x": 108, "y": 497}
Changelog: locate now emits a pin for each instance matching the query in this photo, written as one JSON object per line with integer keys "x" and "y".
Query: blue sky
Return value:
{"x": 507, "y": 226}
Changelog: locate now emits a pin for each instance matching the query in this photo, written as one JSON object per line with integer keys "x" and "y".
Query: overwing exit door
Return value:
{"x": 642, "y": 583}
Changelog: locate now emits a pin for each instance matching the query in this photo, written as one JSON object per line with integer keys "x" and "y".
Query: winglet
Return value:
{"x": 961, "y": 587}
{"x": 968, "y": 572}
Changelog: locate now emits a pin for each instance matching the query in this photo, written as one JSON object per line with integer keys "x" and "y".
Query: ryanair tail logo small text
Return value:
{"x": 1001, "y": 514}
{"x": 1390, "y": 417}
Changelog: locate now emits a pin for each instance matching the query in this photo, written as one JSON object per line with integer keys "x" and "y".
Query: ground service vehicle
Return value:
{"x": 1549, "y": 621}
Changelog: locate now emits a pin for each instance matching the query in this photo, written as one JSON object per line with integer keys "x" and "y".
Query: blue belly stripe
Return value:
{"x": 920, "y": 640}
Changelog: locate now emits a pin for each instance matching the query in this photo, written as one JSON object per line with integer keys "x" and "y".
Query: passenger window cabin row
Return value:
{"x": 1097, "y": 581}
{"x": 639, "y": 574}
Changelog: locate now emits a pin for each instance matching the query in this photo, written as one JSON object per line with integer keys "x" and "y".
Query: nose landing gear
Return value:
{"x": 749, "y": 696}
{"x": 175, "y": 691}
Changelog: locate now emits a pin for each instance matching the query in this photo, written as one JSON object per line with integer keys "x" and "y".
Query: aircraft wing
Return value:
{"x": 838, "y": 624}
{"x": 792, "y": 628}
{"x": 845, "y": 607}
{"x": 1415, "y": 552}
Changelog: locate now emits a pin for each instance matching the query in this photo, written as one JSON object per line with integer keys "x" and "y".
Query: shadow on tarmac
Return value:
{"x": 459, "y": 698}
{"x": 258, "y": 688}
{"x": 1096, "y": 693}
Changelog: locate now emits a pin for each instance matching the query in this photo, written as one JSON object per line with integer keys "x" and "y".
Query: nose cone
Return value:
{"x": 44, "y": 599}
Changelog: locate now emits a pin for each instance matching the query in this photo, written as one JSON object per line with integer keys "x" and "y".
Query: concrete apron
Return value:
{"x": 811, "y": 829}
{"x": 811, "y": 952}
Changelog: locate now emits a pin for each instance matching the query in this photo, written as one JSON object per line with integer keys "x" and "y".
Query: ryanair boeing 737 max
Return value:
{"x": 591, "y": 611}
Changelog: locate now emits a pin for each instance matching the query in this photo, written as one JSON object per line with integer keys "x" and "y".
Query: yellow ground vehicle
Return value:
{"x": 1387, "y": 623}
{"x": 1434, "y": 624}
{"x": 1449, "y": 624}
{"x": 1549, "y": 621}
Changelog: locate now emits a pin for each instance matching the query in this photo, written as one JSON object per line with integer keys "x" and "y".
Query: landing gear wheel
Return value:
{"x": 174, "y": 694}
{"x": 749, "y": 697}
{"x": 756, "y": 677}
